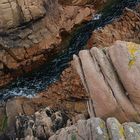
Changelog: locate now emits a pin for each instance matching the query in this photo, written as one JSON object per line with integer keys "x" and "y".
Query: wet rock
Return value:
{"x": 126, "y": 28}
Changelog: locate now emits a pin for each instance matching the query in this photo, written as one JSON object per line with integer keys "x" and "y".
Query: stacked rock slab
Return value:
{"x": 111, "y": 78}
{"x": 97, "y": 129}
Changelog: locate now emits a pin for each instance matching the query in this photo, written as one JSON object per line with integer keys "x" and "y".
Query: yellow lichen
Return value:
{"x": 121, "y": 131}
{"x": 133, "y": 49}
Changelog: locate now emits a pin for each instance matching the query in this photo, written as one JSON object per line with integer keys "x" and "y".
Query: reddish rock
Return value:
{"x": 30, "y": 37}
{"x": 126, "y": 28}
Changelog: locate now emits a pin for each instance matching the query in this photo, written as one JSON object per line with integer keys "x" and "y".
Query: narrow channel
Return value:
{"x": 30, "y": 84}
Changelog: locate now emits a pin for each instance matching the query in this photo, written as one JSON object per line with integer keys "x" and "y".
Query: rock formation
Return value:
{"x": 111, "y": 78}
{"x": 97, "y": 129}
{"x": 31, "y": 32}
{"x": 126, "y": 28}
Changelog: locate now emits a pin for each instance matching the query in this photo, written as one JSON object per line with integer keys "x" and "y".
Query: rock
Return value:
{"x": 31, "y": 33}
{"x": 109, "y": 76}
{"x": 98, "y": 88}
{"x": 95, "y": 3}
{"x": 69, "y": 94}
{"x": 41, "y": 125}
{"x": 132, "y": 131}
{"x": 125, "y": 28}
{"x": 116, "y": 131}
{"x": 125, "y": 58}
{"x": 113, "y": 81}
{"x": 97, "y": 129}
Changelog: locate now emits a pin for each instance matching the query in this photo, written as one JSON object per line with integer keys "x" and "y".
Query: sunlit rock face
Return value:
{"x": 16, "y": 12}
{"x": 32, "y": 31}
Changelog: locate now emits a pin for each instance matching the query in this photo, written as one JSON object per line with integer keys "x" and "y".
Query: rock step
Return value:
{"x": 97, "y": 129}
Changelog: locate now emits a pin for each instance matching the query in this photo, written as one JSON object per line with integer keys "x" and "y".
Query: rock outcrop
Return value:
{"x": 111, "y": 79}
{"x": 97, "y": 129}
{"x": 41, "y": 125}
{"x": 32, "y": 32}
{"x": 126, "y": 28}
{"x": 67, "y": 96}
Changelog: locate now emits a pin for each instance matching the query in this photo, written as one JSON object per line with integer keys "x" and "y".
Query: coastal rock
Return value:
{"x": 66, "y": 95}
{"x": 125, "y": 57}
{"x": 126, "y": 28}
{"x": 97, "y": 129}
{"x": 41, "y": 125}
{"x": 110, "y": 77}
{"x": 33, "y": 32}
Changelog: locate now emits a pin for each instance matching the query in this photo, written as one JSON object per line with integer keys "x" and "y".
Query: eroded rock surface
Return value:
{"x": 111, "y": 78}
{"x": 126, "y": 28}
{"x": 67, "y": 95}
{"x": 31, "y": 32}
{"x": 97, "y": 129}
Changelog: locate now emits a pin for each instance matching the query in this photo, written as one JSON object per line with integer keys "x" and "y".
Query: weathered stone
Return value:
{"x": 126, "y": 28}
{"x": 132, "y": 131}
{"x": 96, "y": 129}
{"x": 112, "y": 72}
{"x": 116, "y": 131}
{"x": 31, "y": 33}
{"x": 115, "y": 85}
{"x": 41, "y": 125}
{"x": 126, "y": 60}
{"x": 98, "y": 89}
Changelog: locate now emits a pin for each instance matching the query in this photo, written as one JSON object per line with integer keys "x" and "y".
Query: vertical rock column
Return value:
{"x": 106, "y": 90}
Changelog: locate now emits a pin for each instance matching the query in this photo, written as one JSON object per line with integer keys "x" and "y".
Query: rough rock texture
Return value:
{"x": 95, "y": 3}
{"x": 31, "y": 32}
{"x": 41, "y": 125}
{"x": 68, "y": 92}
{"x": 97, "y": 129}
{"x": 111, "y": 79}
{"x": 126, "y": 28}
{"x": 67, "y": 95}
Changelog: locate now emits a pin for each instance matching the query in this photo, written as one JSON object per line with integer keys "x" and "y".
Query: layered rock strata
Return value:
{"x": 32, "y": 32}
{"x": 97, "y": 129}
{"x": 111, "y": 79}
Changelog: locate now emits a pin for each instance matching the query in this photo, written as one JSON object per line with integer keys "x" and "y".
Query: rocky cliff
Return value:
{"x": 31, "y": 32}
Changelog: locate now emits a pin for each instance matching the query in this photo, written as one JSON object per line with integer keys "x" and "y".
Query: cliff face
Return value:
{"x": 31, "y": 32}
